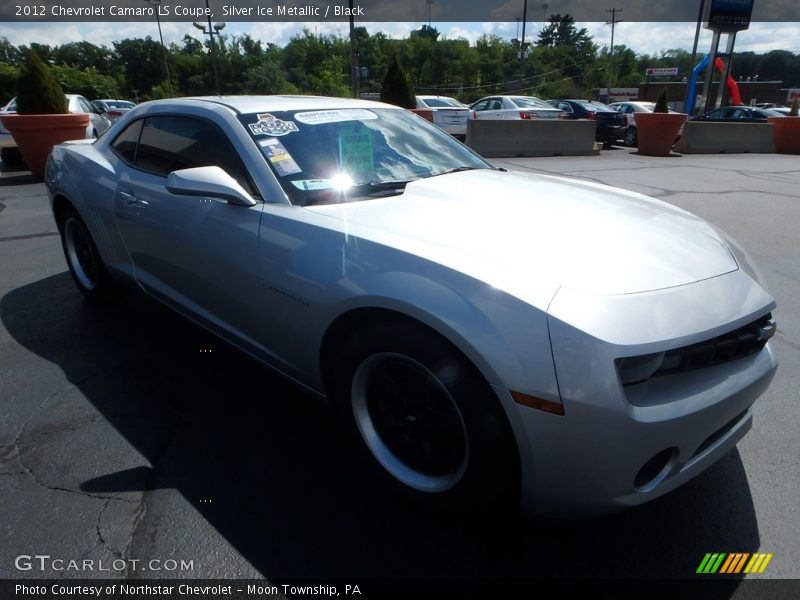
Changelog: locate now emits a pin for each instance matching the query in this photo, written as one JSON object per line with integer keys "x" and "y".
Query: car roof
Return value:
{"x": 253, "y": 104}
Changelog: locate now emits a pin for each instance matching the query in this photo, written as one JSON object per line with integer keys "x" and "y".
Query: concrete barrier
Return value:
{"x": 495, "y": 138}
{"x": 707, "y": 137}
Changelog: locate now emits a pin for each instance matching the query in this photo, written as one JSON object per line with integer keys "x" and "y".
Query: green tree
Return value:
{"x": 8, "y": 83}
{"x": 86, "y": 82}
{"x": 396, "y": 88}
{"x": 562, "y": 31}
{"x": 9, "y": 54}
{"x": 143, "y": 63}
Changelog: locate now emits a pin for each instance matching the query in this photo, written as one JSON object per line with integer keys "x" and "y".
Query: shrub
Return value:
{"x": 396, "y": 88}
{"x": 38, "y": 92}
{"x": 661, "y": 103}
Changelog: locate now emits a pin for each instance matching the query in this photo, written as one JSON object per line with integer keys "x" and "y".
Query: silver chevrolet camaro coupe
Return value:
{"x": 486, "y": 335}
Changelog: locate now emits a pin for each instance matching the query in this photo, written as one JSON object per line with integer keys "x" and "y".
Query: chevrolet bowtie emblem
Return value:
{"x": 767, "y": 331}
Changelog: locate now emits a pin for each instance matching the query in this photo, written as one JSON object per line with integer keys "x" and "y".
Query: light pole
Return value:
{"x": 163, "y": 47}
{"x": 211, "y": 31}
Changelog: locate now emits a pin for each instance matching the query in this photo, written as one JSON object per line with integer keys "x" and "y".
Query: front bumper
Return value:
{"x": 619, "y": 446}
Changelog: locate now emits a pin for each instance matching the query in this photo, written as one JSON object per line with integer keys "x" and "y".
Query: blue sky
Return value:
{"x": 649, "y": 38}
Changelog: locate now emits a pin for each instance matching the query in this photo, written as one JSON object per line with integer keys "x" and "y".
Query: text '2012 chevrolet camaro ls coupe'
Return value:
{"x": 486, "y": 334}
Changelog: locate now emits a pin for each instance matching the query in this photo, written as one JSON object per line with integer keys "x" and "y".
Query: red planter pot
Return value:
{"x": 786, "y": 134}
{"x": 657, "y": 132}
{"x": 36, "y": 135}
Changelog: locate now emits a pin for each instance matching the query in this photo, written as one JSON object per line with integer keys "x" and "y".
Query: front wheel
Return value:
{"x": 83, "y": 259}
{"x": 425, "y": 417}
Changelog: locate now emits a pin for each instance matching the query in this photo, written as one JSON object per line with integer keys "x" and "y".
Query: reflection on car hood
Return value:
{"x": 531, "y": 234}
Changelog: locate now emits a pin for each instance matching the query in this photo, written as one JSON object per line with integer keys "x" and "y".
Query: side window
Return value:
{"x": 481, "y": 105}
{"x": 124, "y": 145}
{"x": 171, "y": 143}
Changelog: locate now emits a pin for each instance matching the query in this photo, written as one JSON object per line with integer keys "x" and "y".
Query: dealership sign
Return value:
{"x": 661, "y": 71}
{"x": 728, "y": 15}
{"x": 619, "y": 94}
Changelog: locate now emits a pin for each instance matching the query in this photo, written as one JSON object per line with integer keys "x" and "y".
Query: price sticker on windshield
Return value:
{"x": 355, "y": 150}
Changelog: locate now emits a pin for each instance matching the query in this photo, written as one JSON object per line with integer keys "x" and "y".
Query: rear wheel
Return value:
{"x": 83, "y": 259}
{"x": 630, "y": 136}
{"x": 425, "y": 418}
{"x": 11, "y": 156}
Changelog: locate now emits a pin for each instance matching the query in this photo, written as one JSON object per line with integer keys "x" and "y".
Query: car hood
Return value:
{"x": 530, "y": 234}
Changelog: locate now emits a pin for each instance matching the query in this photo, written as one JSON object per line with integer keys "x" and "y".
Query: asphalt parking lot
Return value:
{"x": 127, "y": 433}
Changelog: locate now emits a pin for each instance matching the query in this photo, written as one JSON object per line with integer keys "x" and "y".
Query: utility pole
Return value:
{"x": 522, "y": 46}
{"x": 613, "y": 22}
{"x": 163, "y": 47}
{"x": 353, "y": 55}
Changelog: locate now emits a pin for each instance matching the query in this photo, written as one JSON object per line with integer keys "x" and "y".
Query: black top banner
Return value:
{"x": 435, "y": 11}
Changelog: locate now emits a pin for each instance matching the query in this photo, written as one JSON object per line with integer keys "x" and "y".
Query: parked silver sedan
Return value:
{"x": 484, "y": 334}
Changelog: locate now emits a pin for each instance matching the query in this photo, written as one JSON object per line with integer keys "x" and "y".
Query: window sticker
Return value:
{"x": 318, "y": 117}
{"x": 279, "y": 157}
{"x": 268, "y": 124}
{"x": 355, "y": 151}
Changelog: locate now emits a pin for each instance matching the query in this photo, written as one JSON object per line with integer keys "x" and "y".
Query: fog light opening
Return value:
{"x": 655, "y": 470}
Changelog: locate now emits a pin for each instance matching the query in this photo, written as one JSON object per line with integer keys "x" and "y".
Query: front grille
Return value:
{"x": 739, "y": 343}
{"x": 745, "y": 341}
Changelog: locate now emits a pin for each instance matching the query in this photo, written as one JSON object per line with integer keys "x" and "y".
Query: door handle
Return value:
{"x": 130, "y": 199}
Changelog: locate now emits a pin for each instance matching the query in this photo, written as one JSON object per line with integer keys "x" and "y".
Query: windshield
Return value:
{"x": 530, "y": 102}
{"x": 339, "y": 155}
{"x": 120, "y": 104}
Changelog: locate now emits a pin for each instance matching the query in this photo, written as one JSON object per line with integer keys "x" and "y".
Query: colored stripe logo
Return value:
{"x": 733, "y": 563}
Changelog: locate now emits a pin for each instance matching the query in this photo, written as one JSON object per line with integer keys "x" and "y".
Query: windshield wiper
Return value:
{"x": 457, "y": 170}
{"x": 377, "y": 187}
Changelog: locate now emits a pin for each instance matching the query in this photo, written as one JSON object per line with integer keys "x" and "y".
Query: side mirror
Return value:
{"x": 211, "y": 182}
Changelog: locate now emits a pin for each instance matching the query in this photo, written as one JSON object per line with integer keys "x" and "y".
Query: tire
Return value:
{"x": 425, "y": 418}
{"x": 84, "y": 261}
{"x": 630, "y": 136}
{"x": 11, "y": 156}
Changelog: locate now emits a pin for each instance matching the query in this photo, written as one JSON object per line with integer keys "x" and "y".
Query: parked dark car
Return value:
{"x": 744, "y": 114}
{"x": 611, "y": 124}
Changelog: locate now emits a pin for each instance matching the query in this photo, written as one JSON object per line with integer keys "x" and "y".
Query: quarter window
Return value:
{"x": 124, "y": 145}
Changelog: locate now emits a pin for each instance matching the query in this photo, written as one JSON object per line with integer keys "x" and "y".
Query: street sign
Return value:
{"x": 661, "y": 71}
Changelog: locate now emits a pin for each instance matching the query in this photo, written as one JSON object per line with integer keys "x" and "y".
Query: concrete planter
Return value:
{"x": 36, "y": 135}
{"x": 786, "y": 134}
{"x": 710, "y": 137}
{"x": 657, "y": 132}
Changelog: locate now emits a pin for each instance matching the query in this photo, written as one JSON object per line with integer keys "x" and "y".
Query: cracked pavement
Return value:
{"x": 119, "y": 439}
